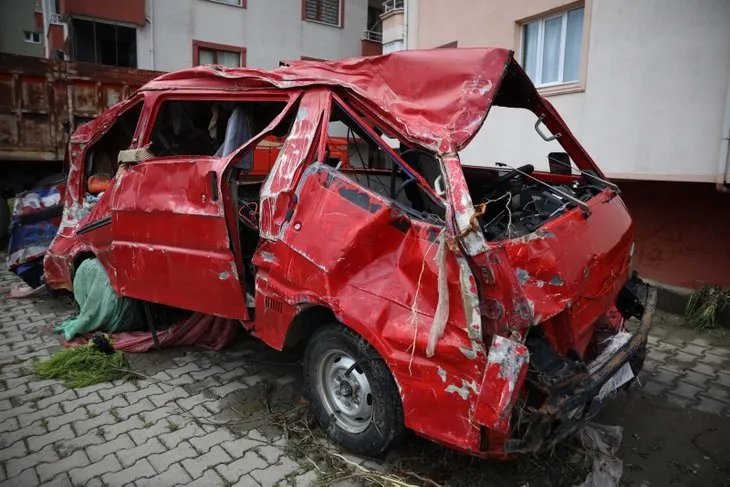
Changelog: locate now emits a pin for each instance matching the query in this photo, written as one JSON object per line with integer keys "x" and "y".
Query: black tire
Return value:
{"x": 386, "y": 426}
{"x": 4, "y": 218}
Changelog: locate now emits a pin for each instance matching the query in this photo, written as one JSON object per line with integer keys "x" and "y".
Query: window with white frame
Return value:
{"x": 32, "y": 37}
{"x": 325, "y": 11}
{"x": 236, "y": 3}
{"x": 551, "y": 48}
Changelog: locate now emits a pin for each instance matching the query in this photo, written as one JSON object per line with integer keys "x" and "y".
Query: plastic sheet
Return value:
{"x": 603, "y": 441}
{"x": 200, "y": 330}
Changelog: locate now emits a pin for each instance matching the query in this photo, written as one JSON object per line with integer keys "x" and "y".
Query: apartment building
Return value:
{"x": 167, "y": 35}
{"x": 645, "y": 86}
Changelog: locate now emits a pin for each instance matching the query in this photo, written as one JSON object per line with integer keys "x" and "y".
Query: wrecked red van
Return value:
{"x": 484, "y": 308}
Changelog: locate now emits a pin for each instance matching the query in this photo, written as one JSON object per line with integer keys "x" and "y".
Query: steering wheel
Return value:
{"x": 514, "y": 173}
{"x": 401, "y": 187}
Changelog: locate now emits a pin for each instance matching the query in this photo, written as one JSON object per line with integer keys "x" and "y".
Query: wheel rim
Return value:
{"x": 347, "y": 398}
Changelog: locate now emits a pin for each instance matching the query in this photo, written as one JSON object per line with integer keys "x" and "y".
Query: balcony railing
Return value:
{"x": 55, "y": 18}
{"x": 372, "y": 35}
{"x": 390, "y": 5}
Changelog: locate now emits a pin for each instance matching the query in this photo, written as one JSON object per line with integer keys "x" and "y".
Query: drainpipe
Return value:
{"x": 151, "y": 19}
{"x": 405, "y": 24}
{"x": 724, "y": 161}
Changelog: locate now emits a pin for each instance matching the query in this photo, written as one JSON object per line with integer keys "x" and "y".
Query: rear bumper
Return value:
{"x": 572, "y": 403}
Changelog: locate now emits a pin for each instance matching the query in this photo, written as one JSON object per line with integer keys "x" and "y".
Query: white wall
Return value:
{"x": 270, "y": 30}
{"x": 656, "y": 86}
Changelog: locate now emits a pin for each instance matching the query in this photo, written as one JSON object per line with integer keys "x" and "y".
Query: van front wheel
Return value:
{"x": 352, "y": 393}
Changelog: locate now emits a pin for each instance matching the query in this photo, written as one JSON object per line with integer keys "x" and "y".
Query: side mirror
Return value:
{"x": 559, "y": 163}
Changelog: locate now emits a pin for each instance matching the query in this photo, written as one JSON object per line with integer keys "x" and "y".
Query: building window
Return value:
{"x": 209, "y": 53}
{"x": 104, "y": 43}
{"x": 32, "y": 37}
{"x": 325, "y": 11}
{"x": 551, "y": 48}
{"x": 236, "y": 3}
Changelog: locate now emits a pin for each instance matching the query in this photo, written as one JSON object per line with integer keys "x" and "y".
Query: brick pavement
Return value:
{"x": 166, "y": 429}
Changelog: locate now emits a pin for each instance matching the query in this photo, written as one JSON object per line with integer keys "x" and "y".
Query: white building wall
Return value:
{"x": 658, "y": 73}
{"x": 270, "y": 30}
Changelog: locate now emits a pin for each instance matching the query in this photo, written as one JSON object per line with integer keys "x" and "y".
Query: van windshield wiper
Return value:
{"x": 553, "y": 189}
{"x": 589, "y": 176}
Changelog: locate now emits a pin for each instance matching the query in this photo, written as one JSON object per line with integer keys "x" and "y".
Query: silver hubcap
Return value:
{"x": 347, "y": 398}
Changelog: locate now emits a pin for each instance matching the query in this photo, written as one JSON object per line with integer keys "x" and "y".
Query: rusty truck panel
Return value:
{"x": 42, "y": 101}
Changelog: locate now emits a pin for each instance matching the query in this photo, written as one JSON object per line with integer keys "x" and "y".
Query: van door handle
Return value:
{"x": 213, "y": 180}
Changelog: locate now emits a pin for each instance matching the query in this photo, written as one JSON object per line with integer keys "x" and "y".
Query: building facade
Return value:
{"x": 644, "y": 85}
{"x": 166, "y": 35}
{"x": 21, "y": 28}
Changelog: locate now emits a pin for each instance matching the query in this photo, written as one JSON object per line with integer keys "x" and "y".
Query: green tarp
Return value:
{"x": 99, "y": 307}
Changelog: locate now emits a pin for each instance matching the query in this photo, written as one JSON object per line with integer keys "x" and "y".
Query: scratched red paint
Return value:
{"x": 169, "y": 240}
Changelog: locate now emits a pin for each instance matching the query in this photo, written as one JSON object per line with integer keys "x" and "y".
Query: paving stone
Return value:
{"x": 713, "y": 359}
{"x": 204, "y": 443}
{"x": 54, "y": 422}
{"x": 175, "y": 475}
{"x": 60, "y": 480}
{"x": 130, "y": 456}
{"x": 121, "y": 442}
{"x": 82, "y": 391}
{"x": 139, "y": 470}
{"x": 47, "y": 471}
{"x": 160, "y": 400}
{"x": 188, "y": 432}
{"x": 9, "y": 424}
{"x": 723, "y": 379}
{"x": 246, "y": 481}
{"x": 665, "y": 376}
{"x": 236, "y": 448}
{"x": 35, "y": 443}
{"x": 696, "y": 379}
{"x": 15, "y": 466}
{"x": 163, "y": 461}
{"x": 142, "y": 392}
{"x": 81, "y": 476}
{"x": 229, "y": 388}
{"x": 15, "y": 450}
{"x": 235, "y": 470}
{"x": 709, "y": 405}
{"x": 113, "y": 430}
{"x": 26, "y": 479}
{"x": 118, "y": 390}
{"x": 117, "y": 403}
{"x": 719, "y": 394}
{"x": 270, "y": 453}
{"x": 85, "y": 425}
{"x": 185, "y": 369}
{"x": 719, "y": 351}
{"x": 196, "y": 466}
{"x": 679, "y": 401}
{"x": 123, "y": 408}
{"x": 208, "y": 372}
{"x": 45, "y": 412}
{"x": 92, "y": 398}
{"x": 207, "y": 479}
{"x": 275, "y": 473}
{"x": 687, "y": 390}
{"x": 308, "y": 479}
{"x": 190, "y": 402}
{"x": 67, "y": 395}
{"x": 704, "y": 369}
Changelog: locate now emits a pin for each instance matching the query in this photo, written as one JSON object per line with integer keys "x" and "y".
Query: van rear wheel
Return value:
{"x": 352, "y": 392}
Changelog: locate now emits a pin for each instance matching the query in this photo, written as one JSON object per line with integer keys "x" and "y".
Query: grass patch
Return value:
{"x": 83, "y": 366}
{"x": 705, "y": 307}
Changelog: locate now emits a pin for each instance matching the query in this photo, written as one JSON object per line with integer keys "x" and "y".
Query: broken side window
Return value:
{"x": 209, "y": 127}
{"x": 366, "y": 154}
{"x": 101, "y": 158}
